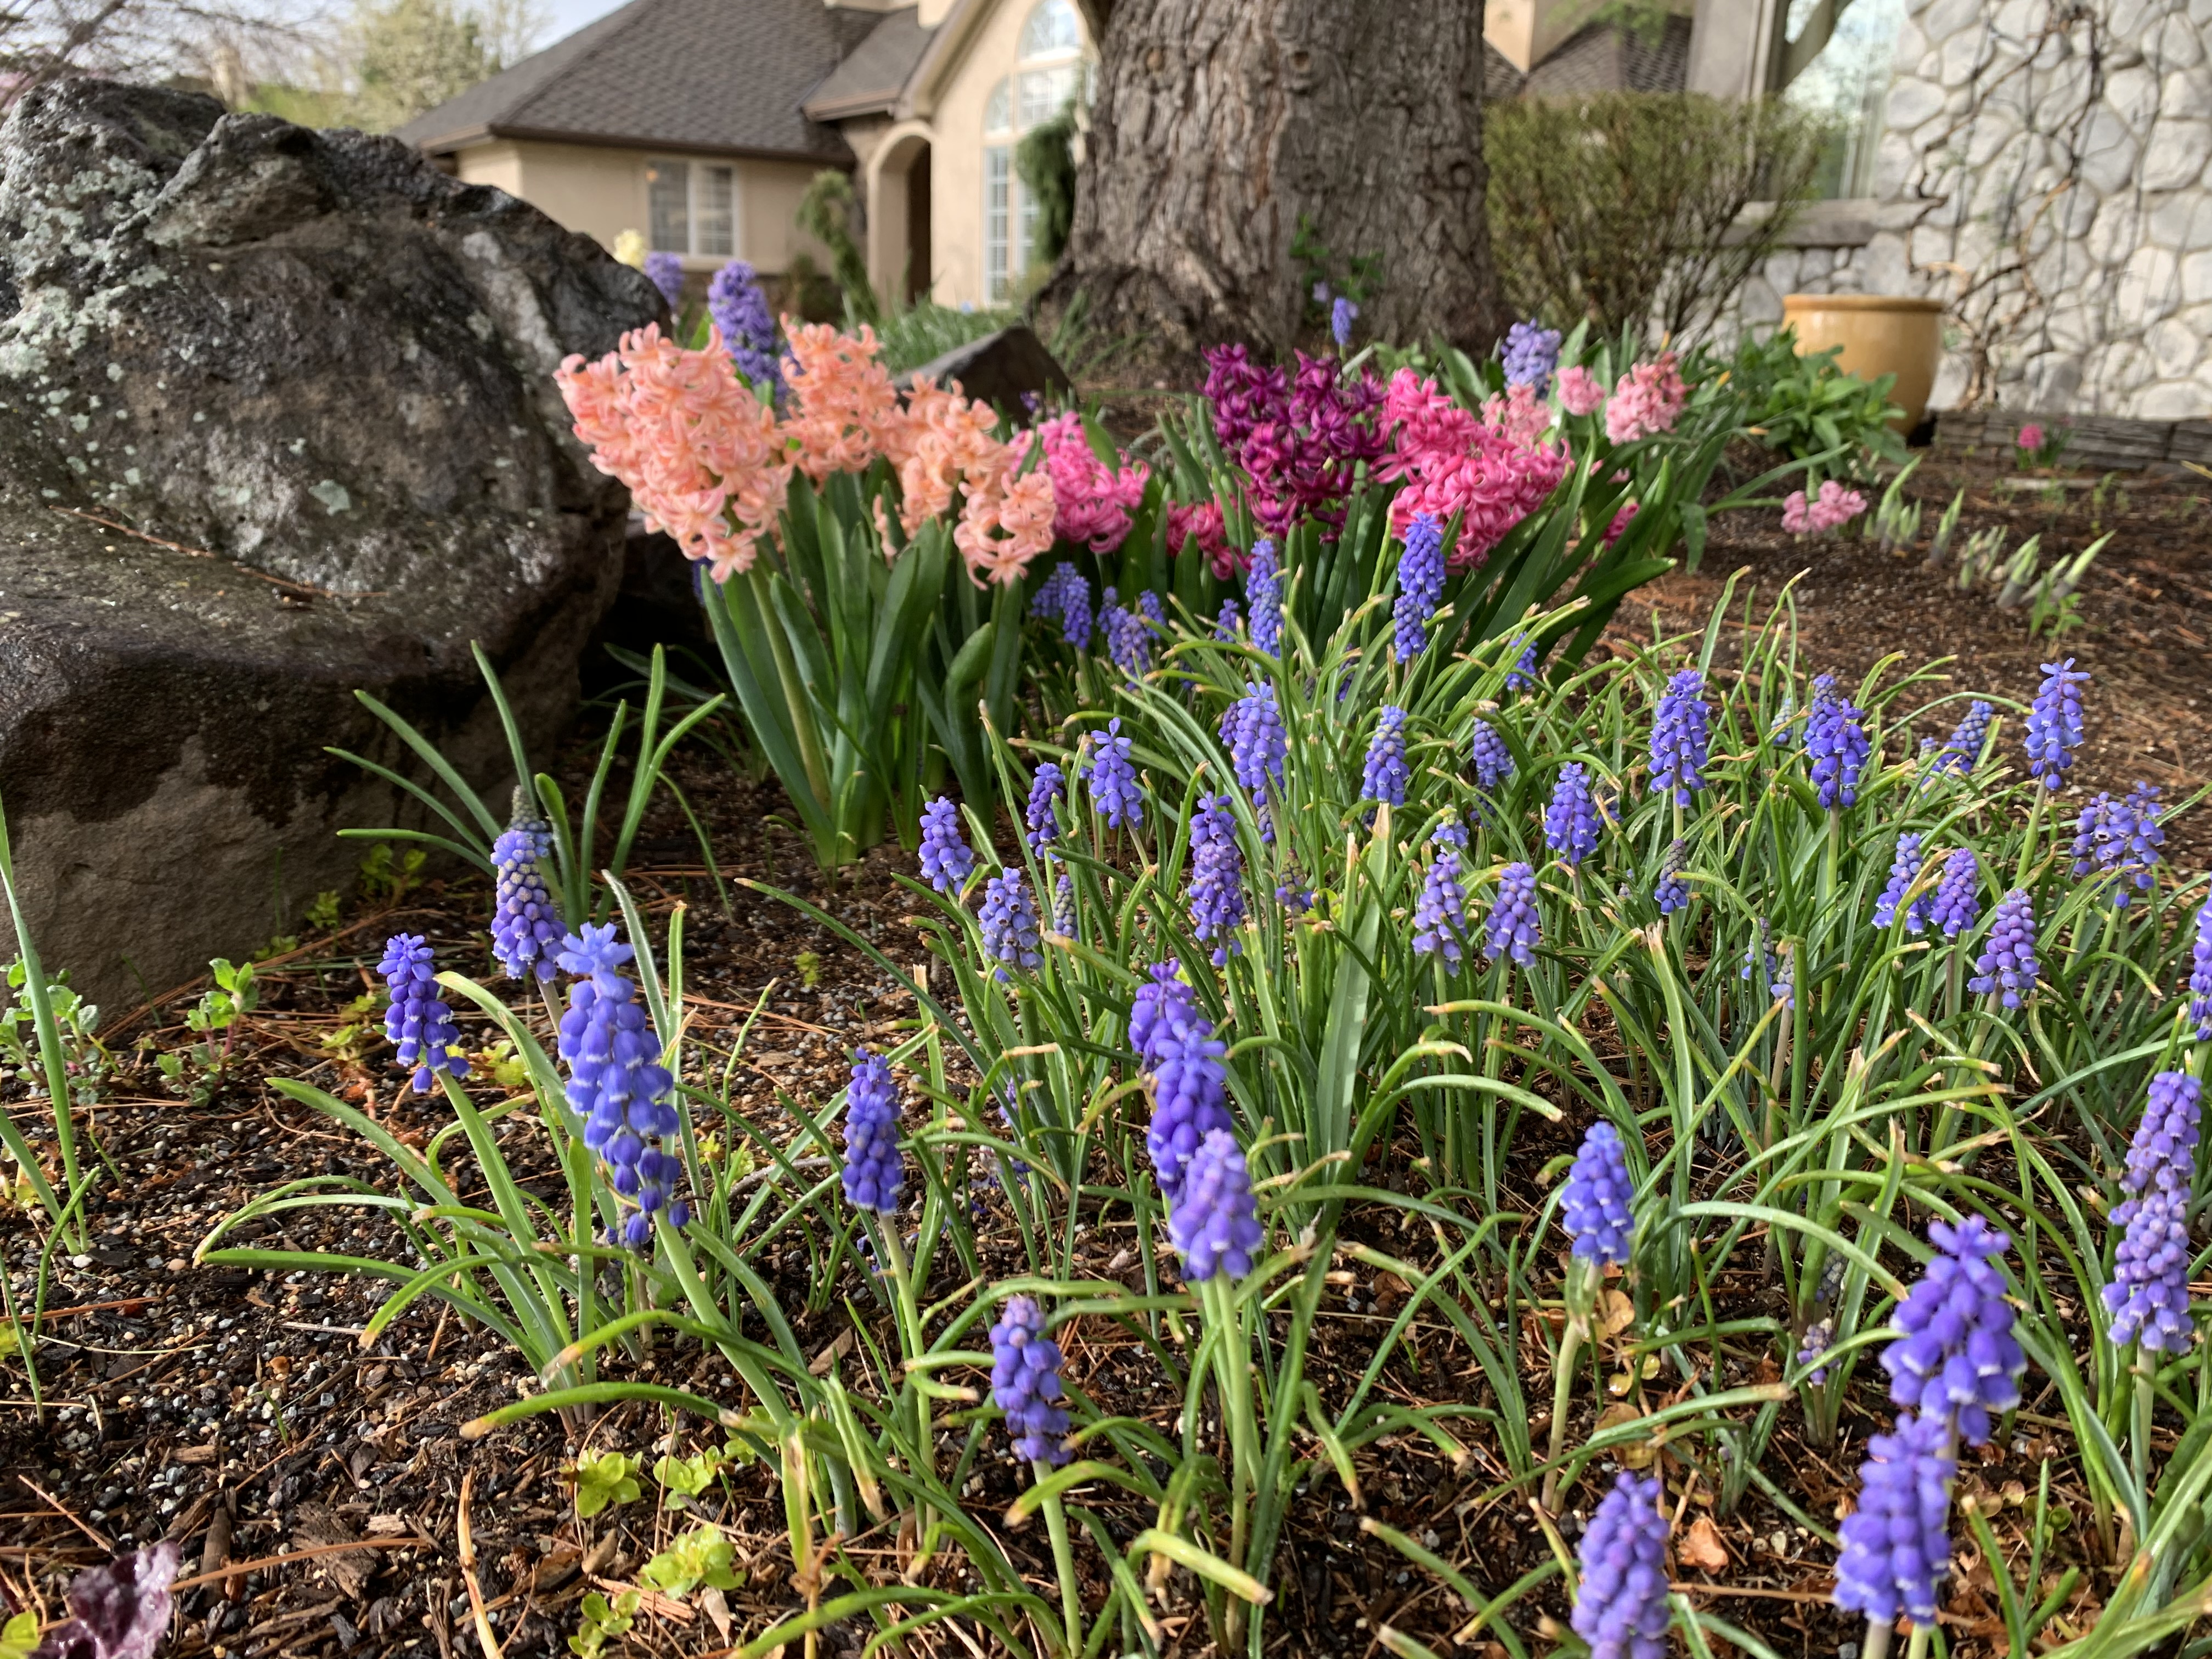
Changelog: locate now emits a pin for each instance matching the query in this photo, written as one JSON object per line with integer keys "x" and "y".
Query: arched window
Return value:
{"x": 998, "y": 108}
{"x": 1049, "y": 71}
{"x": 1052, "y": 30}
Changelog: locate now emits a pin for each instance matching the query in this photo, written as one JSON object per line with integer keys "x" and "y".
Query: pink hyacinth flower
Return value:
{"x": 1579, "y": 392}
{"x": 1796, "y": 520}
{"x": 1647, "y": 401}
{"x": 2031, "y": 436}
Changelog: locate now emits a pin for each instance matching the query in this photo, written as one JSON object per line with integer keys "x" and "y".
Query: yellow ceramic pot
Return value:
{"x": 1880, "y": 335}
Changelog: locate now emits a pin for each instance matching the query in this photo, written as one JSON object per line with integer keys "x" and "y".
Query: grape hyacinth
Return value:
{"x": 2118, "y": 838}
{"x": 1128, "y": 639}
{"x": 1025, "y": 1381}
{"x": 1902, "y": 869}
{"x": 417, "y": 1023}
{"x": 1671, "y": 892}
{"x": 665, "y": 271}
{"x": 1046, "y": 788}
{"x": 2148, "y": 1296}
{"x": 1514, "y": 929}
{"x": 1008, "y": 923}
{"x": 1063, "y": 906}
{"x": 1420, "y": 585}
{"x": 1493, "y": 761}
{"x": 2007, "y": 965}
{"x": 1213, "y": 1223}
{"x": 1571, "y": 820}
{"x": 1595, "y": 1204}
{"x": 1531, "y": 353}
{"x": 1252, "y": 731}
{"x": 1440, "y": 917}
{"x": 1217, "y": 875}
{"x": 1263, "y": 597}
{"x": 1897, "y": 1543}
{"x": 1522, "y": 677}
{"x": 2200, "y": 974}
{"x": 2054, "y": 722}
{"x": 616, "y": 1084}
{"x": 1681, "y": 736}
{"x": 1385, "y": 775}
{"x": 1964, "y": 746}
{"x": 1784, "y": 731}
{"x": 525, "y": 927}
{"x": 1958, "y": 898}
{"x": 741, "y": 314}
{"x": 1177, "y": 1049}
{"x": 2162, "y": 1154}
{"x": 1836, "y": 739}
{"x": 1112, "y": 777}
{"x": 1958, "y": 1359}
{"x": 1759, "y": 957}
{"x": 1341, "y": 314}
{"x": 873, "y": 1168}
{"x": 947, "y": 861}
{"x": 1620, "y": 1607}
{"x": 1065, "y": 596}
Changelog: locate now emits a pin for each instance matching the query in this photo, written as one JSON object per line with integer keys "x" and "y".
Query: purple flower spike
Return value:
{"x": 1025, "y": 1381}
{"x": 1493, "y": 761}
{"x": 1226, "y": 619}
{"x": 1514, "y": 928}
{"x": 1420, "y": 585}
{"x": 1958, "y": 755}
{"x": 1595, "y": 1204}
{"x": 1263, "y": 597}
{"x": 1897, "y": 1542}
{"x": 1385, "y": 775}
{"x": 1522, "y": 677}
{"x": 1129, "y": 632}
{"x": 1252, "y": 730}
{"x": 1532, "y": 353}
{"x": 1571, "y": 823}
{"x": 873, "y": 1168}
{"x": 1681, "y": 737}
{"x": 1177, "y": 1049}
{"x": 2121, "y": 839}
{"x": 2148, "y": 1296}
{"x": 525, "y": 927}
{"x": 1440, "y": 919}
{"x": 1959, "y": 896}
{"x": 1341, "y": 312}
{"x": 616, "y": 1084}
{"x": 2200, "y": 974}
{"x": 2007, "y": 965}
{"x": 1836, "y": 739}
{"x": 2054, "y": 723}
{"x": 1958, "y": 1359}
{"x": 1045, "y": 791}
{"x": 2162, "y": 1155}
{"x": 418, "y": 1022}
{"x": 1008, "y": 922}
{"x": 1214, "y": 1225}
{"x": 1904, "y": 868}
{"x": 1065, "y": 595}
{"x": 947, "y": 861}
{"x": 1217, "y": 875}
{"x": 1112, "y": 777}
{"x": 665, "y": 271}
{"x": 1621, "y": 1609}
{"x": 740, "y": 311}
{"x": 1673, "y": 891}
{"x": 1063, "y": 906}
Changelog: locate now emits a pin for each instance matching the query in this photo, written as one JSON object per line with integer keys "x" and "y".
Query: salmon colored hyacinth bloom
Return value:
{"x": 701, "y": 454}
{"x": 1647, "y": 401}
{"x": 843, "y": 404}
{"x": 1091, "y": 501}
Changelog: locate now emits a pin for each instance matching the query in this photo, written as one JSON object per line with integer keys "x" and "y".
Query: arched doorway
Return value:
{"x": 899, "y": 257}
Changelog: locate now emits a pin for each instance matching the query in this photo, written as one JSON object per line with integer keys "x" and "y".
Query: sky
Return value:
{"x": 566, "y": 16}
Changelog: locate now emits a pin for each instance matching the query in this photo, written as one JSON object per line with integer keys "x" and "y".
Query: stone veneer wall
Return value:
{"x": 2045, "y": 168}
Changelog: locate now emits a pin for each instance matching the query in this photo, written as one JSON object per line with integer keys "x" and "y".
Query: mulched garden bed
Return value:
{"x": 239, "y": 1413}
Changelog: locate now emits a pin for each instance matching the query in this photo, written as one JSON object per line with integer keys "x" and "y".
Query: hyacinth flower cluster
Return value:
{"x": 1252, "y": 731}
{"x": 1829, "y": 509}
{"x": 2120, "y": 839}
{"x": 1091, "y": 501}
{"x": 1958, "y": 900}
{"x": 1039, "y": 813}
{"x": 664, "y": 271}
{"x": 1647, "y": 400}
{"x": 1904, "y": 871}
{"x": 1897, "y": 1543}
{"x": 1128, "y": 637}
{"x": 1491, "y": 759}
{"x": 1263, "y": 599}
{"x": 1531, "y": 355}
{"x": 1420, "y": 585}
{"x": 946, "y": 859}
{"x": 1182, "y": 1060}
{"x": 1514, "y": 929}
{"x": 1111, "y": 774}
{"x": 617, "y": 1086}
{"x": 1596, "y": 1204}
{"x": 417, "y": 1021}
{"x": 741, "y": 312}
{"x": 2149, "y": 1296}
{"x": 1025, "y": 1366}
{"x": 1300, "y": 434}
{"x": 1571, "y": 818}
{"x": 525, "y": 925}
{"x": 1522, "y": 677}
{"x": 1681, "y": 737}
{"x": 2200, "y": 974}
{"x": 1490, "y": 472}
{"x": 2006, "y": 966}
{"x": 2054, "y": 723}
{"x": 1620, "y": 1607}
{"x": 1064, "y": 597}
{"x": 1958, "y": 1360}
{"x": 1440, "y": 924}
{"x": 1672, "y": 890}
{"x": 1008, "y": 923}
{"x": 1385, "y": 774}
{"x": 1217, "y": 875}
{"x": 1836, "y": 740}
{"x": 873, "y": 1168}
{"x": 1214, "y": 1222}
{"x": 1963, "y": 748}
{"x": 1342, "y": 314}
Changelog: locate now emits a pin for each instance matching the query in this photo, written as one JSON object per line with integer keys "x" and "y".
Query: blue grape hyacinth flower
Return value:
{"x": 1214, "y": 1223}
{"x": 1385, "y": 775}
{"x": 1440, "y": 926}
{"x": 1958, "y": 898}
{"x": 1008, "y": 923}
{"x": 1596, "y": 1204}
{"x": 2148, "y": 1296}
{"x": 1183, "y": 1060}
{"x": 946, "y": 859}
{"x": 1112, "y": 775}
{"x": 2054, "y": 723}
{"x": 1217, "y": 875}
{"x": 1514, "y": 929}
{"x": 1904, "y": 869}
{"x": 1263, "y": 597}
{"x": 1252, "y": 730}
{"x": 873, "y": 1166}
{"x": 1046, "y": 788}
{"x": 2006, "y": 966}
{"x": 1420, "y": 585}
{"x": 1531, "y": 353}
{"x": 417, "y": 1022}
{"x": 1958, "y": 1359}
{"x": 1493, "y": 759}
{"x": 1897, "y": 1543}
{"x": 2162, "y": 1153}
{"x": 1571, "y": 819}
{"x": 1836, "y": 739}
{"x": 1620, "y": 1607}
{"x": 527, "y": 930}
{"x": 616, "y": 1086}
{"x": 1671, "y": 891}
{"x": 1065, "y": 596}
{"x": 1025, "y": 1366}
{"x": 1341, "y": 314}
{"x": 1681, "y": 737}
{"x": 1964, "y": 747}
{"x": 2200, "y": 974}
{"x": 1226, "y": 619}
{"x": 1522, "y": 677}
{"x": 2120, "y": 839}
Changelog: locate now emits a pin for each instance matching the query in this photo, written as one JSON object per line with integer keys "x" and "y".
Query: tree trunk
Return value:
{"x": 1221, "y": 127}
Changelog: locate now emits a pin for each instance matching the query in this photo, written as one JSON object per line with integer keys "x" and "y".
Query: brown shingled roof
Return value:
{"x": 725, "y": 76}
{"x": 871, "y": 79}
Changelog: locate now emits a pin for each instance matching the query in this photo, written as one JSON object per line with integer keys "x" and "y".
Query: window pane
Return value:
{"x": 1044, "y": 91}
{"x": 713, "y": 231}
{"x": 1025, "y": 250}
{"x": 998, "y": 204}
{"x": 998, "y": 109}
{"x": 1052, "y": 28}
{"x": 668, "y": 198}
{"x": 1847, "y": 86}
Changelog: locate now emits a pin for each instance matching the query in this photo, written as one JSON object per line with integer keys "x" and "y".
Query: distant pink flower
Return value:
{"x": 1579, "y": 392}
{"x": 1091, "y": 501}
{"x": 2031, "y": 436}
{"x": 1647, "y": 401}
{"x": 1796, "y": 520}
{"x": 1832, "y": 507}
{"x": 1621, "y": 520}
{"x": 1520, "y": 415}
{"x": 1201, "y": 522}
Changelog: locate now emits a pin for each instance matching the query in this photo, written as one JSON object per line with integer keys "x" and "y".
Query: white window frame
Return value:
{"x": 1000, "y": 217}
{"x": 696, "y": 172}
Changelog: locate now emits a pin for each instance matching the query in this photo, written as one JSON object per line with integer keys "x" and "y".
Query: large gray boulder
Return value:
{"x": 312, "y": 375}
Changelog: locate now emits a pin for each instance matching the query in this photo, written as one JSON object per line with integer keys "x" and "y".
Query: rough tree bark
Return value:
{"x": 1218, "y": 124}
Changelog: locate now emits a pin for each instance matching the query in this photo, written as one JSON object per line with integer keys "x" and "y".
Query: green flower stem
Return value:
{"x": 2145, "y": 1401}
{"x": 1063, "y": 1561}
{"x": 910, "y": 1317}
{"x": 1582, "y": 1292}
{"x": 1877, "y": 1639}
{"x": 1232, "y": 1369}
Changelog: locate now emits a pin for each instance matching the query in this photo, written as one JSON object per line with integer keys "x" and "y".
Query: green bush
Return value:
{"x": 1804, "y": 405}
